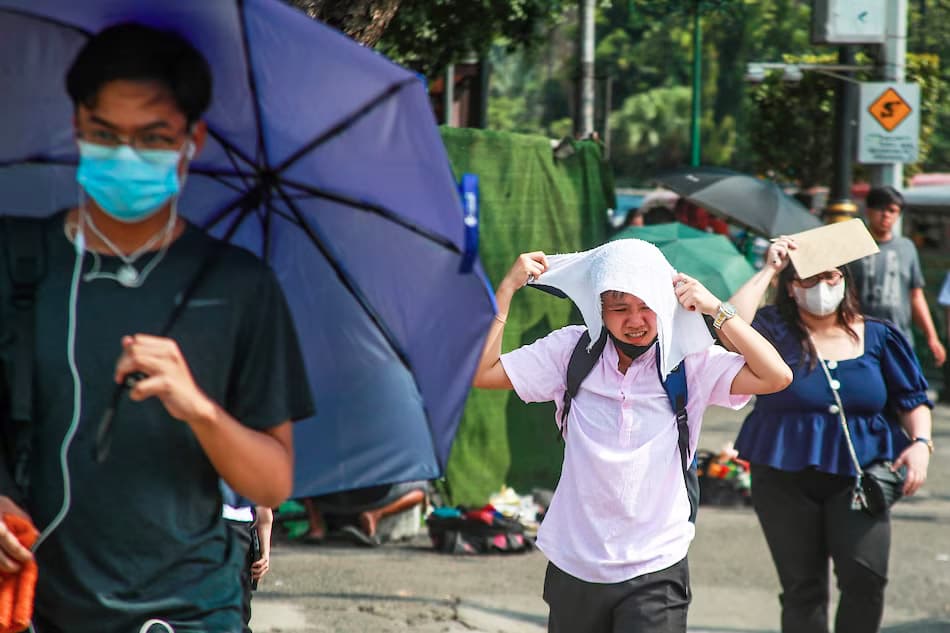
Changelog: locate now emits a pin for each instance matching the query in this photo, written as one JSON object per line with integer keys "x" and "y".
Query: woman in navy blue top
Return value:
{"x": 802, "y": 472}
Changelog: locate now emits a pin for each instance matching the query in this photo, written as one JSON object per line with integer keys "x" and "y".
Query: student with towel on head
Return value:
{"x": 618, "y": 528}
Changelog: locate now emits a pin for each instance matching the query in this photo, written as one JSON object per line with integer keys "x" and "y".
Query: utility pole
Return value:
{"x": 894, "y": 60}
{"x": 449, "y": 96}
{"x": 608, "y": 99}
{"x": 695, "y": 139}
{"x": 584, "y": 115}
{"x": 840, "y": 207}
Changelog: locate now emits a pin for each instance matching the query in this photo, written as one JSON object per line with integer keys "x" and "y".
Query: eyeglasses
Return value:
{"x": 143, "y": 140}
{"x": 891, "y": 209}
{"x": 832, "y": 277}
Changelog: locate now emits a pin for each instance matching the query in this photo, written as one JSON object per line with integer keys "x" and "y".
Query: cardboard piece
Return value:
{"x": 831, "y": 246}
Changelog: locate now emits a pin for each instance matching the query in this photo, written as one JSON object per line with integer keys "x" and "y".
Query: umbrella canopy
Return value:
{"x": 324, "y": 159}
{"x": 662, "y": 233}
{"x": 758, "y": 205}
{"x": 710, "y": 258}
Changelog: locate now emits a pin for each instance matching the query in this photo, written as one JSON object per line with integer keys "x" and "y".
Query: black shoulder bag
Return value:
{"x": 878, "y": 487}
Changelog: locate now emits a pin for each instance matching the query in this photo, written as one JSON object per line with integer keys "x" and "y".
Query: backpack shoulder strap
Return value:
{"x": 24, "y": 245}
{"x": 581, "y": 363}
{"x": 25, "y": 248}
{"x": 678, "y": 395}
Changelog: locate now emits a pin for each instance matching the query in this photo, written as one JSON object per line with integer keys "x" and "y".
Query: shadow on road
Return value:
{"x": 919, "y": 626}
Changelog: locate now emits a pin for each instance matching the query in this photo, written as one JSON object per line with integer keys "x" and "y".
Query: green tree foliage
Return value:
{"x": 427, "y": 35}
{"x": 791, "y": 126}
{"x": 645, "y": 47}
{"x": 928, "y": 31}
{"x": 363, "y": 20}
{"x": 790, "y": 129}
{"x": 651, "y": 134}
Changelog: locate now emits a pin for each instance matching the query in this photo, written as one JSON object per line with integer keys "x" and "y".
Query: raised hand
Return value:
{"x": 776, "y": 257}
{"x": 693, "y": 295}
{"x": 528, "y": 266}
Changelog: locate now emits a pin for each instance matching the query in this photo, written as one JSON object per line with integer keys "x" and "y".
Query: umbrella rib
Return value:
{"x": 37, "y": 160}
{"x": 232, "y": 151}
{"x": 252, "y": 82}
{"x": 222, "y": 180}
{"x": 46, "y": 18}
{"x": 266, "y": 228}
{"x": 345, "y": 123}
{"x": 318, "y": 243}
{"x": 221, "y": 214}
{"x": 373, "y": 208}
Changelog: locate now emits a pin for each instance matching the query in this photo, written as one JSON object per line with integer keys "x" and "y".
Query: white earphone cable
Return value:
{"x": 77, "y": 392}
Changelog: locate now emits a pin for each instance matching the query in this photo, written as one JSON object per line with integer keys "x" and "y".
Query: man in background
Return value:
{"x": 890, "y": 284}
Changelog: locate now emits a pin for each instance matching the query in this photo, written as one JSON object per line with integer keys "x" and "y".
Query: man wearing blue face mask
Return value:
{"x": 131, "y": 536}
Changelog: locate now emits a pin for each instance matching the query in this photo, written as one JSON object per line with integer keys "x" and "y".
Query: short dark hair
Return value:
{"x": 659, "y": 214}
{"x": 883, "y": 197}
{"x": 137, "y": 52}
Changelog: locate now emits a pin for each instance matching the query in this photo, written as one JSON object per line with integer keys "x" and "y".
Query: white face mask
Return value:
{"x": 821, "y": 299}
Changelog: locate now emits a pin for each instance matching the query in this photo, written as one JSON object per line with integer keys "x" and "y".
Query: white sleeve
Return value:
{"x": 538, "y": 371}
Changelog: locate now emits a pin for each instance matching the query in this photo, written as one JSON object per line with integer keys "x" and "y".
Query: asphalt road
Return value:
{"x": 407, "y": 587}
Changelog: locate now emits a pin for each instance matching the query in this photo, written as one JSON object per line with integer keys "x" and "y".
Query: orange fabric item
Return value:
{"x": 17, "y": 591}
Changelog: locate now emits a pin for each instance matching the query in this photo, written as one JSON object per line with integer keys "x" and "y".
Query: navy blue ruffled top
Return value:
{"x": 800, "y": 428}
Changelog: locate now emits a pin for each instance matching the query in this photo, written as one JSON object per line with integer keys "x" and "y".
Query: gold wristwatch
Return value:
{"x": 726, "y": 311}
{"x": 926, "y": 440}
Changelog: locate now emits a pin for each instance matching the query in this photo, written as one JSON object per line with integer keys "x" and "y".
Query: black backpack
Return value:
{"x": 583, "y": 361}
{"x": 24, "y": 247}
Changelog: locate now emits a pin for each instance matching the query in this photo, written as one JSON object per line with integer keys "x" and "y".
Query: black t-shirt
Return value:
{"x": 143, "y": 537}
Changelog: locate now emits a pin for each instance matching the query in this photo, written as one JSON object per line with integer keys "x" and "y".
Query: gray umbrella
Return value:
{"x": 757, "y": 204}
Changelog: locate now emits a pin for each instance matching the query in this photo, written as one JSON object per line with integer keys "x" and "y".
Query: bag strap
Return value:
{"x": 25, "y": 247}
{"x": 578, "y": 368}
{"x": 582, "y": 363}
{"x": 678, "y": 395}
{"x": 104, "y": 430}
{"x": 858, "y": 500}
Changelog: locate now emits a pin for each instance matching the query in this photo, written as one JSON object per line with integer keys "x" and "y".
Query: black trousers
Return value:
{"x": 242, "y": 539}
{"x": 807, "y": 518}
{"x": 652, "y": 603}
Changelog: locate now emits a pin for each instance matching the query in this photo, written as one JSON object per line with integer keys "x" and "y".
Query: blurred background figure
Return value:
{"x": 251, "y": 527}
{"x": 634, "y": 217}
{"x": 355, "y": 514}
{"x": 890, "y": 284}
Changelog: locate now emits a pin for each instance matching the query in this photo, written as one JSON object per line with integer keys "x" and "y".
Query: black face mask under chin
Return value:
{"x": 632, "y": 351}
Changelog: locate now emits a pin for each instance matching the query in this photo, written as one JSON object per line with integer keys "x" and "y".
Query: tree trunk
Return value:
{"x": 363, "y": 20}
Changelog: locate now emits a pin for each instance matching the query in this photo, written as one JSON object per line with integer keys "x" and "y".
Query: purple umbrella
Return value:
{"x": 325, "y": 160}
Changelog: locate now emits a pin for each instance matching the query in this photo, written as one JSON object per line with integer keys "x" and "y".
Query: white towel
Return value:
{"x": 638, "y": 268}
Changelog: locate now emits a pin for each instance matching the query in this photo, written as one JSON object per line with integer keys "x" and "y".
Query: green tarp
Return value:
{"x": 529, "y": 201}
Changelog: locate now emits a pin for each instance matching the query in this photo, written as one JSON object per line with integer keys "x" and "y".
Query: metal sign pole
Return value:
{"x": 895, "y": 59}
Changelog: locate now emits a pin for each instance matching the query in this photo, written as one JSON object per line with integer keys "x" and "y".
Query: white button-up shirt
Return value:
{"x": 620, "y": 509}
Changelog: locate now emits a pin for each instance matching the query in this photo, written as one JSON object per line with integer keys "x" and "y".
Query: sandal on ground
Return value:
{"x": 358, "y": 536}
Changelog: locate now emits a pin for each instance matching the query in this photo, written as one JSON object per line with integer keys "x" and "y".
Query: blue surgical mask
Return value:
{"x": 128, "y": 184}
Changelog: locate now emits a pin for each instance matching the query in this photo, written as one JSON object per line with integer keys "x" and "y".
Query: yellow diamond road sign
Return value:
{"x": 888, "y": 122}
{"x": 890, "y": 109}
